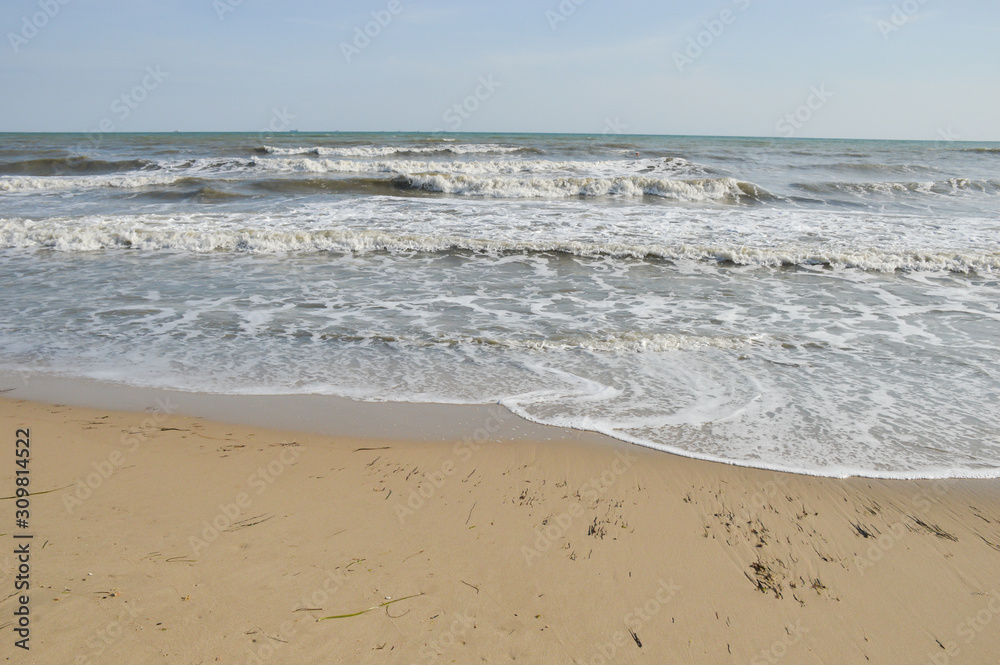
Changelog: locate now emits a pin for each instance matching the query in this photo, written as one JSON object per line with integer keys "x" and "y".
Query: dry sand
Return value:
{"x": 171, "y": 539}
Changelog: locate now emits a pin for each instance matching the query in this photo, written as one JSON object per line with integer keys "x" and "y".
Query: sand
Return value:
{"x": 173, "y": 539}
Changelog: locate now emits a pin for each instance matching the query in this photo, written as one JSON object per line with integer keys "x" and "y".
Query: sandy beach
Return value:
{"x": 459, "y": 333}
{"x": 172, "y": 539}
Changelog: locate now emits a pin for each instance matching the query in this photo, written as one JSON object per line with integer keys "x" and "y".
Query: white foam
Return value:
{"x": 232, "y": 233}
{"x": 630, "y": 342}
{"x": 728, "y": 190}
{"x": 949, "y": 187}
{"x": 405, "y": 167}
{"x": 824, "y": 471}
{"x": 808, "y": 372}
{"x": 16, "y": 185}
{"x": 383, "y": 151}
{"x": 580, "y": 286}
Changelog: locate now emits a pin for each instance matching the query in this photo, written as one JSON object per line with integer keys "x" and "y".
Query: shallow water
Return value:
{"x": 831, "y": 307}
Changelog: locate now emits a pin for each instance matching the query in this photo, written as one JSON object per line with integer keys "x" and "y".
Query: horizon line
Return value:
{"x": 495, "y": 133}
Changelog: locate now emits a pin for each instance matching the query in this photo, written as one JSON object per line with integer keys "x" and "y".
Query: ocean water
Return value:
{"x": 827, "y": 307}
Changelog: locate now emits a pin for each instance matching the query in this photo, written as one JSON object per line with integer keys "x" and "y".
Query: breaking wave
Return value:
{"x": 673, "y": 166}
{"x": 622, "y": 342}
{"x": 15, "y": 185}
{"x": 725, "y": 190}
{"x": 97, "y": 234}
{"x": 952, "y": 186}
{"x": 72, "y": 165}
{"x": 384, "y": 151}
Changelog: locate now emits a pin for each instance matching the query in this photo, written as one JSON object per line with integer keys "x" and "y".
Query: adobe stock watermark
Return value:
{"x": 85, "y": 486}
{"x": 124, "y": 105}
{"x": 280, "y": 121}
{"x": 591, "y": 490}
{"x": 615, "y": 126}
{"x": 107, "y": 636}
{"x": 223, "y": 7}
{"x": 363, "y": 35}
{"x": 448, "y": 638}
{"x": 604, "y": 653}
{"x": 884, "y": 542}
{"x": 767, "y": 490}
{"x": 797, "y": 119}
{"x": 901, "y": 15}
{"x": 705, "y": 39}
{"x": 23, "y": 376}
{"x": 562, "y": 12}
{"x": 432, "y": 481}
{"x": 967, "y": 631}
{"x": 946, "y": 135}
{"x": 229, "y": 513}
{"x": 260, "y": 654}
{"x": 30, "y": 26}
{"x": 463, "y": 110}
{"x": 779, "y": 649}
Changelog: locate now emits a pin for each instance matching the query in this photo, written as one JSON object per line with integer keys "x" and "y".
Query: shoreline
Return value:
{"x": 193, "y": 540}
{"x": 308, "y": 413}
{"x": 344, "y": 416}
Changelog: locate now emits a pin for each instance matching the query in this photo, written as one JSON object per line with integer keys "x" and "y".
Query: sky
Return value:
{"x": 913, "y": 69}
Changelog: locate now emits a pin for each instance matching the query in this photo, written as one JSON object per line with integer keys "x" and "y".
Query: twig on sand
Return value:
{"x": 380, "y": 448}
{"x": 380, "y": 605}
{"x": 204, "y": 436}
{"x": 398, "y": 616}
{"x": 248, "y": 522}
{"x": 411, "y": 556}
{"x": 259, "y": 630}
{"x": 5, "y": 498}
{"x": 470, "y": 585}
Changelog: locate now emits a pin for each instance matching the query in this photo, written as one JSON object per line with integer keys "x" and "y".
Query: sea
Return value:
{"x": 829, "y": 307}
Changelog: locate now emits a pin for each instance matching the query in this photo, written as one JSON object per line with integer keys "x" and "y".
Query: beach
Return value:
{"x": 825, "y": 307}
{"x": 169, "y": 538}
{"x": 566, "y": 333}
{"x": 443, "y": 333}
{"x": 545, "y": 398}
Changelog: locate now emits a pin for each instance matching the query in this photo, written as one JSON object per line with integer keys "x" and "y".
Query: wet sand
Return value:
{"x": 175, "y": 539}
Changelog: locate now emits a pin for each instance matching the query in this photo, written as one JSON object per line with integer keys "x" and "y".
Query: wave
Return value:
{"x": 989, "y": 151}
{"x": 191, "y": 191}
{"x": 871, "y": 167}
{"x": 361, "y": 186}
{"x": 384, "y": 151}
{"x": 627, "y": 342}
{"x": 952, "y": 186}
{"x": 73, "y": 165}
{"x": 225, "y": 164}
{"x": 620, "y": 342}
{"x": 409, "y": 175}
{"x": 823, "y": 153}
{"x": 90, "y": 234}
{"x": 15, "y": 185}
{"x": 671, "y": 166}
{"x": 725, "y": 190}
{"x": 720, "y": 190}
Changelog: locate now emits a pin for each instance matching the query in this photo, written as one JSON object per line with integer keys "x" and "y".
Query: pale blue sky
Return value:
{"x": 607, "y": 65}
